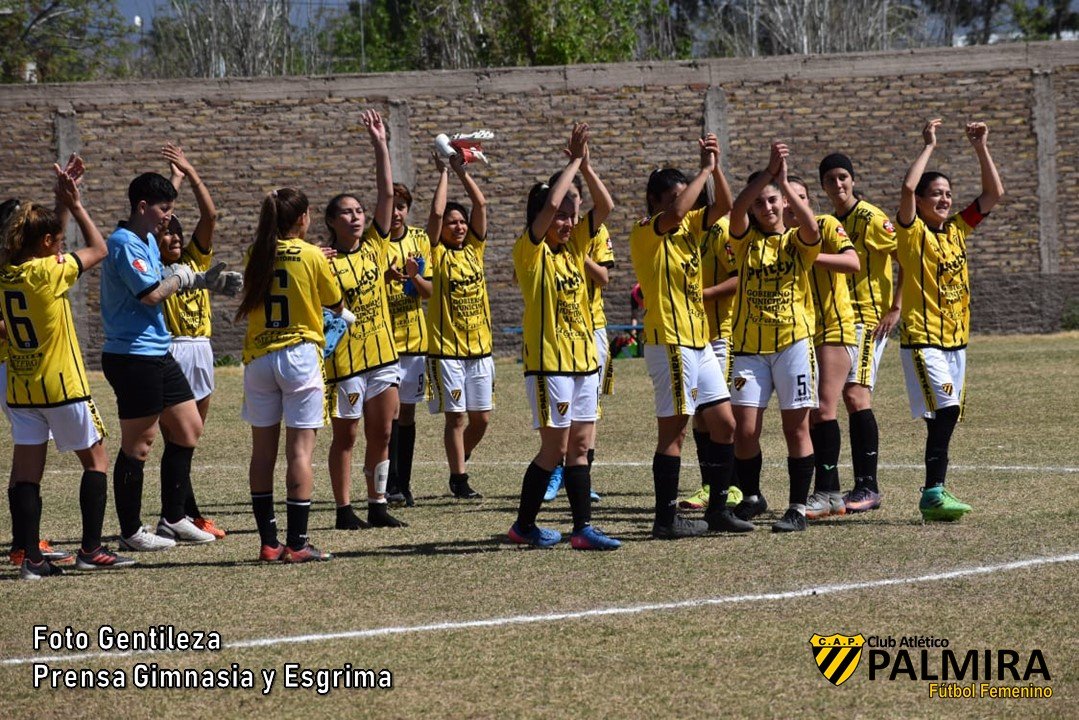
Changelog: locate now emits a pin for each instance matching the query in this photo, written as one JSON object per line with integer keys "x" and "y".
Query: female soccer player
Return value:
{"x": 187, "y": 313}
{"x": 935, "y": 329}
{"x": 560, "y": 361}
{"x": 409, "y": 285}
{"x": 363, "y": 373}
{"x": 772, "y": 333}
{"x": 876, "y": 312}
{"x": 286, "y": 283}
{"x": 47, "y": 392}
{"x": 833, "y": 342}
{"x": 686, "y": 377}
{"x": 461, "y": 373}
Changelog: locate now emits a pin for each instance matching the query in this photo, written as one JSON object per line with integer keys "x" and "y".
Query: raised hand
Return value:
{"x": 66, "y": 189}
{"x": 929, "y": 132}
{"x": 74, "y": 168}
{"x": 440, "y": 162}
{"x": 375, "y": 128}
{"x": 777, "y": 158}
{"x": 709, "y": 146}
{"x": 179, "y": 162}
{"x": 578, "y": 141}
{"x": 977, "y": 133}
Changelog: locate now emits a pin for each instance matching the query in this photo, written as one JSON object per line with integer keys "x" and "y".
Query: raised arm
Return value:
{"x": 808, "y": 230}
{"x": 68, "y": 196}
{"x": 602, "y": 202}
{"x": 992, "y": 187}
{"x": 438, "y": 201}
{"x": 477, "y": 220}
{"x": 721, "y": 202}
{"x": 670, "y": 219}
{"x": 908, "y": 207}
{"x": 73, "y": 169}
{"x": 181, "y": 168}
{"x": 577, "y": 145}
{"x": 744, "y": 201}
{"x": 383, "y": 174}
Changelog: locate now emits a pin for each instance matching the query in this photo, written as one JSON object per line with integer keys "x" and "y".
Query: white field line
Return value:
{"x": 498, "y": 622}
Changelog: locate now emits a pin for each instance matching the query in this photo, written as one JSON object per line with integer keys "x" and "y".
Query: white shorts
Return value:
{"x": 603, "y": 354}
{"x": 460, "y": 385}
{"x": 684, "y": 379}
{"x": 792, "y": 372}
{"x": 196, "y": 359}
{"x": 935, "y": 379}
{"x": 722, "y": 349}
{"x": 413, "y": 387}
{"x": 347, "y": 397}
{"x": 558, "y": 400}
{"x": 865, "y": 357}
{"x": 75, "y": 426}
{"x": 285, "y": 385}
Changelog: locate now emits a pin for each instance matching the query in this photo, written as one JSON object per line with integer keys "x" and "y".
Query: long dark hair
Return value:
{"x": 281, "y": 210}
{"x": 927, "y": 179}
{"x": 24, "y": 226}
{"x": 659, "y": 182}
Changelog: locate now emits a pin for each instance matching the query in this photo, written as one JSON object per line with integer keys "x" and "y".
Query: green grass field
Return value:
{"x": 1014, "y": 459}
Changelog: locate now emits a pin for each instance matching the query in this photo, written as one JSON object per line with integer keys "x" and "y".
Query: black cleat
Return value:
{"x": 37, "y": 571}
{"x": 723, "y": 519}
{"x": 379, "y": 516}
{"x": 681, "y": 527}
{"x": 395, "y": 499}
{"x": 347, "y": 519}
{"x": 792, "y": 521}
{"x": 750, "y": 507}
{"x": 409, "y": 502}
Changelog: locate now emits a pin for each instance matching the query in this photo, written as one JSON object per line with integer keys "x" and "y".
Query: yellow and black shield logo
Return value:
{"x": 739, "y": 383}
{"x": 563, "y": 408}
{"x": 836, "y": 656}
{"x": 455, "y": 394}
{"x": 693, "y": 393}
{"x": 353, "y": 398}
{"x": 947, "y": 388}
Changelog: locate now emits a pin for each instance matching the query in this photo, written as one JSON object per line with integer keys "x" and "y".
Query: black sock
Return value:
{"x": 92, "y": 491}
{"x": 718, "y": 469}
{"x": 27, "y": 506}
{"x": 826, "y": 442}
{"x": 701, "y": 440}
{"x": 800, "y": 471}
{"x": 578, "y": 484}
{"x": 665, "y": 469}
{"x": 458, "y": 478}
{"x": 864, "y": 446}
{"x": 936, "y": 444}
{"x": 127, "y": 492}
{"x": 262, "y": 507}
{"x": 175, "y": 480}
{"x": 406, "y": 449}
{"x": 297, "y": 511}
{"x": 191, "y": 506}
{"x": 591, "y": 457}
{"x": 533, "y": 486}
{"x": 16, "y": 520}
{"x": 749, "y": 474}
{"x": 393, "y": 483}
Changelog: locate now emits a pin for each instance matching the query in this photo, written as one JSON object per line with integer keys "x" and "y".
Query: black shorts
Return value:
{"x": 145, "y": 384}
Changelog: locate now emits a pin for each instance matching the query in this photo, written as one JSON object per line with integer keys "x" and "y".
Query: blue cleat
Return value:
{"x": 553, "y": 485}
{"x": 536, "y": 537}
{"x": 590, "y": 538}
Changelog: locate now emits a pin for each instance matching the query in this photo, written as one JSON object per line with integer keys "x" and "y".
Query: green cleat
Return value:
{"x": 734, "y": 496}
{"x": 697, "y": 500}
{"x": 939, "y": 505}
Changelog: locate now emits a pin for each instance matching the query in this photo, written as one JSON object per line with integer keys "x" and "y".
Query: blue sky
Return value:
{"x": 147, "y": 8}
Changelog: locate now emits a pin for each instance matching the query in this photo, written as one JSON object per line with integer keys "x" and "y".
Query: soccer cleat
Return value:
{"x": 590, "y": 538}
{"x": 37, "y": 571}
{"x": 861, "y": 499}
{"x": 734, "y": 495}
{"x": 145, "y": 541}
{"x": 594, "y": 496}
{"x": 409, "y": 500}
{"x": 183, "y": 530}
{"x": 554, "y": 484}
{"x": 822, "y": 504}
{"x": 308, "y": 553}
{"x": 48, "y": 552}
{"x": 937, "y": 504}
{"x": 101, "y": 559}
{"x": 750, "y": 507}
{"x": 697, "y": 500}
{"x": 378, "y": 516}
{"x": 681, "y": 527}
{"x": 792, "y": 521}
{"x": 723, "y": 519}
{"x": 347, "y": 519}
{"x": 270, "y": 553}
{"x": 395, "y": 499}
{"x": 536, "y": 537}
{"x": 463, "y": 491}
{"x": 207, "y": 525}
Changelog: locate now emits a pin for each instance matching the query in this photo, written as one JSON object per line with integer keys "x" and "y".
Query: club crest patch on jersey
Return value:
{"x": 140, "y": 265}
{"x": 840, "y": 231}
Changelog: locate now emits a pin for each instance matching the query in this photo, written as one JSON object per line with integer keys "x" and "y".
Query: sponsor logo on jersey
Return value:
{"x": 140, "y": 265}
{"x": 888, "y": 227}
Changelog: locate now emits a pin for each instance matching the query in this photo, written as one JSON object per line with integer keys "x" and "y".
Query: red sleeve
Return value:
{"x": 972, "y": 215}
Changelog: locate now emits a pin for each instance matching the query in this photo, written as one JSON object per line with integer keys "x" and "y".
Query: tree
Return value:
{"x": 62, "y": 41}
{"x": 1044, "y": 20}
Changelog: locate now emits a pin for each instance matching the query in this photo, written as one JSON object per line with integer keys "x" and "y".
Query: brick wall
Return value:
{"x": 248, "y": 136}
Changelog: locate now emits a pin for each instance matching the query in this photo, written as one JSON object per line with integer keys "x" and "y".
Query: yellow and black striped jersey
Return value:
{"x": 774, "y": 306}
{"x": 458, "y": 313}
{"x": 361, "y": 276}
{"x": 45, "y": 367}
{"x": 409, "y": 320}
{"x": 557, "y": 332}
{"x": 717, "y": 261}
{"x": 831, "y": 294}
{"x": 292, "y": 312}
{"x": 668, "y": 269}
{"x": 873, "y": 236}
{"x": 936, "y": 282}
{"x": 187, "y": 313}
{"x": 601, "y": 250}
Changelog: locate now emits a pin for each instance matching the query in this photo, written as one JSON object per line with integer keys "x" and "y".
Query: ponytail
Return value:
{"x": 23, "y": 227}
{"x": 281, "y": 210}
